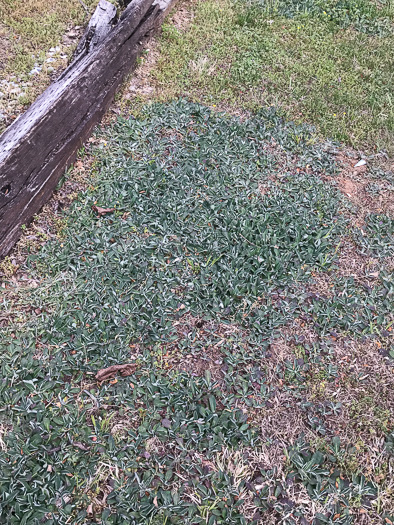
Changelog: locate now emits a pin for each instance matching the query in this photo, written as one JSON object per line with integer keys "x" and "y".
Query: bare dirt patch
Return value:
{"x": 142, "y": 84}
{"x": 197, "y": 349}
{"x": 321, "y": 286}
{"x": 282, "y": 348}
{"x": 367, "y": 195}
{"x": 182, "y": 17}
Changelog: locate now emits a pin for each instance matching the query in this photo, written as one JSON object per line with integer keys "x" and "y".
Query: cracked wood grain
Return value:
{"x": 37, "y": 148}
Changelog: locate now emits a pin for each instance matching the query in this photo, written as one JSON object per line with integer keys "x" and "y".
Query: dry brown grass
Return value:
{"x": 245, "y": 466}
{"x": 100, "y": 485}
{"x": 197, "y": 349}
{"x": 28, "y": 31}
{"x": 141, "y": 87}
{"x": 5, "y": 47}
{"x": 351, "y": 263}
{"x": 38, "y": 24}
{"x": 281, "y": 421}
{"x": 364, "y": 385}
{"x": 354, "y": 182}
{"x": 364, "y": 389}
{"x": 17, "y": 285}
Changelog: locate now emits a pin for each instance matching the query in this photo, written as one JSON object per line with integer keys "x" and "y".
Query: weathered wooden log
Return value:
{"x": 37, "y": 148}
{"x": 99, "y": 26}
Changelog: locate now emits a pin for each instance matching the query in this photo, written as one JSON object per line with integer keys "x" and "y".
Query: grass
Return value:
{"x": 36, "y": 26}
{"x": 28, "y": 31}
{"x": 252, "y": 296}
{"x": 329, "y": 65}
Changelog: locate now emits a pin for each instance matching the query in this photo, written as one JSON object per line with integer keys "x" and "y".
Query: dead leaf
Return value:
{"x": 102, "y": 211}
{"x": 81, "y": 446}
{"x": 110, "y": 372}
{"x": 166, "y": 423}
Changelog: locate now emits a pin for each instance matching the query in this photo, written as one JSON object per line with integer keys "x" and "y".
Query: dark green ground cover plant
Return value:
{"x": 207, "y": 277}
{"x": 380, "y": 230}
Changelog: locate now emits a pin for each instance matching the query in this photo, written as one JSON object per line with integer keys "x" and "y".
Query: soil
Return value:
{"x": 367, "y": 195}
